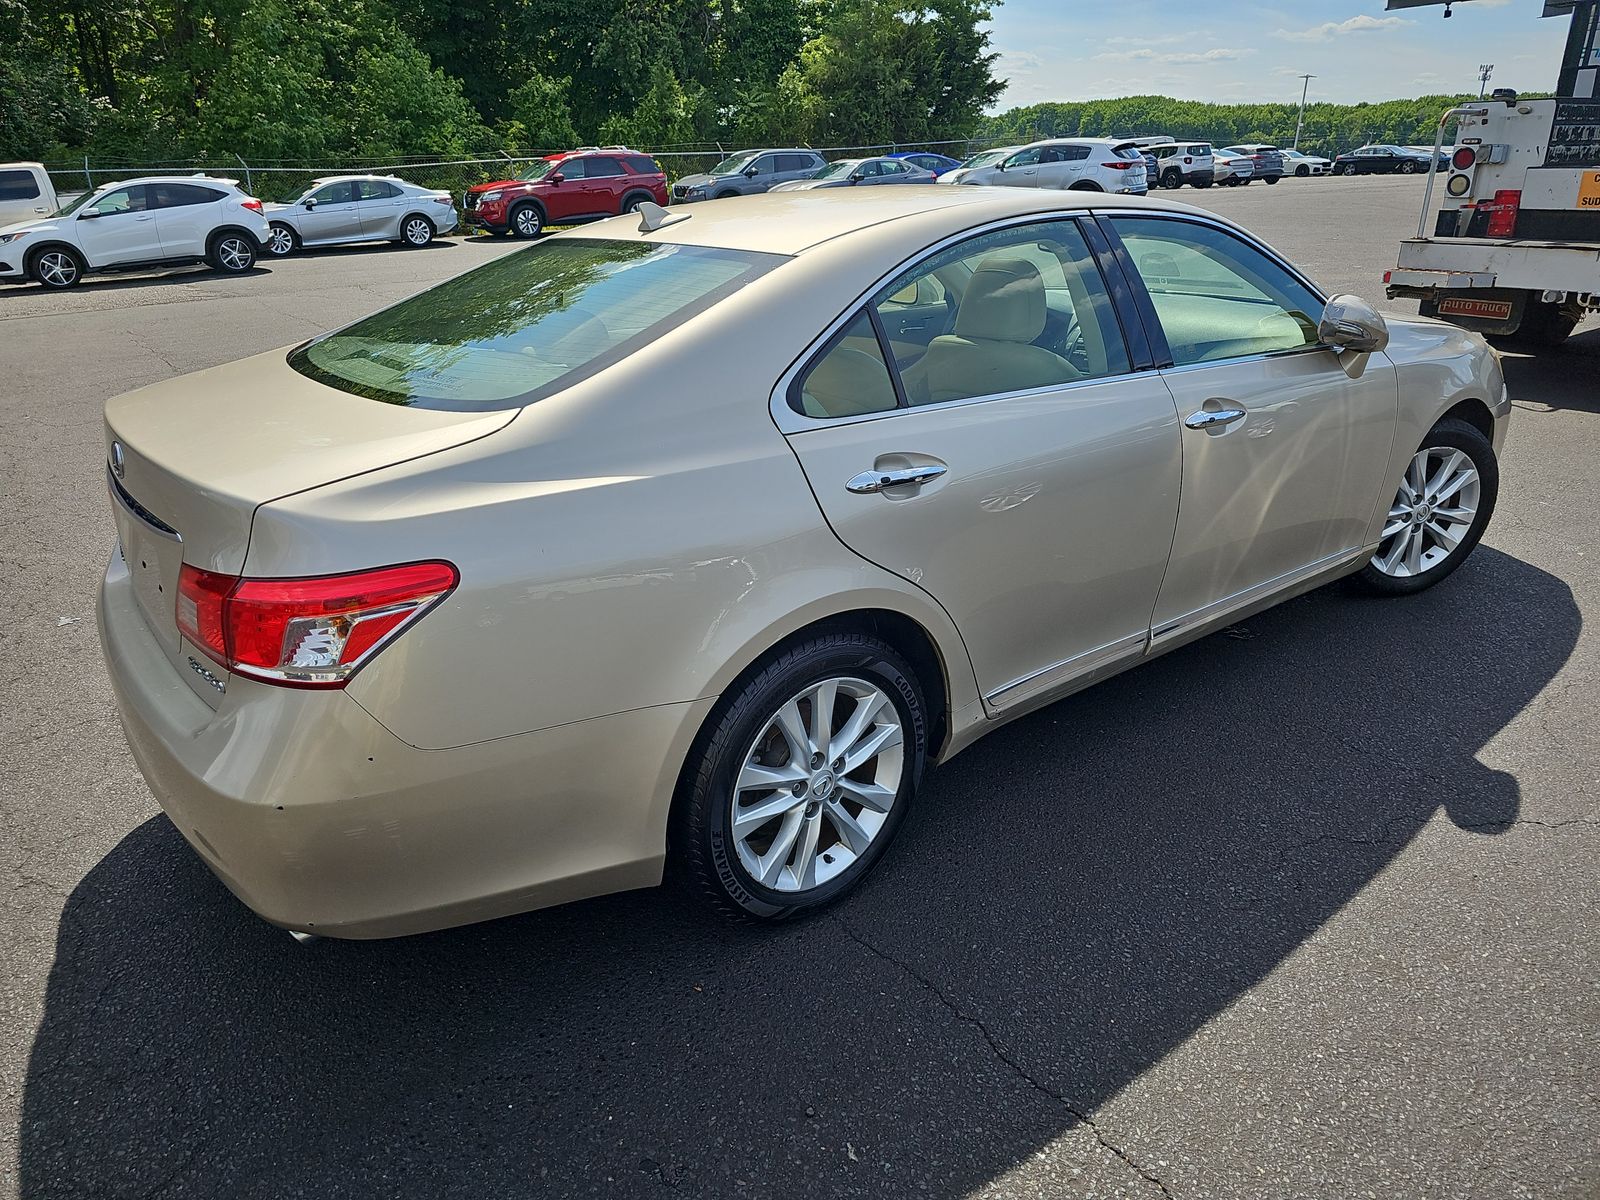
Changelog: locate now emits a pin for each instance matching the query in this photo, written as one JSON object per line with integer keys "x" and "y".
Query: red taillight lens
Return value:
{"x": 1464, "y": 157}
{"x": 1503, "y": 213}
{"x": 310, "y": 632}
{"x": 252, "y": 204}
{"x": 1121, "y": 165}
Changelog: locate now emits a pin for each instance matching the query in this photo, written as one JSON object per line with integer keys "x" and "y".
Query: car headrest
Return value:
{"x": 1003, "y": 302}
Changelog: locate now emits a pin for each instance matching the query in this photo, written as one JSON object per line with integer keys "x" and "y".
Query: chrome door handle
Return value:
{"x": 1214, "y": 418}
{"x": 868, "y": 482}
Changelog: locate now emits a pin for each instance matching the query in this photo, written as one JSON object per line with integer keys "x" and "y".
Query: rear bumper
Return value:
{"x": 321, "y": 820}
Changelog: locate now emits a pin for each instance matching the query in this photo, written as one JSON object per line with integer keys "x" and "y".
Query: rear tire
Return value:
{"x": 1407, "y": 167}
{"x": 1271, "y": 179}
{"x": 231, "y": 253}
{"x": 1302, "y": 171}
{"x": 1423, "y": 545}
{"x": 1084, "y": 185}
{"x": 1172, "y": 178}
{"x": 57, "y": 268}
{"x": 416, "y": 231}
{"x": 1546, "y": 324}
{"x": 281, "y": 242}
{"x": 631, "y": 203}
{"x": 810, "y": 826}
{"x": 527, "y": 221}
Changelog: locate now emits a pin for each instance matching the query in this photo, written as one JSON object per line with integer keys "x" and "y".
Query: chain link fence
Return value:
{"x": 287, "y": 179}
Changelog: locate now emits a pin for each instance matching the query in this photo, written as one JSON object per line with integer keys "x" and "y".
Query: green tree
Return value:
{"x": 41, "y": 101}
{"x": 668, "y": 114}
{"x": 541, "y": 115}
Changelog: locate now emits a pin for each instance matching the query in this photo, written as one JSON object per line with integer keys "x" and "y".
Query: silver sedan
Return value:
{"x": 860, "y": 172}
{"x": 516, "y": 592}
{"x": 359, "y": 208}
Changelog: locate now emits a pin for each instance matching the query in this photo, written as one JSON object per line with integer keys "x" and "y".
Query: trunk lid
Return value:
{"x": 189, "y": 461}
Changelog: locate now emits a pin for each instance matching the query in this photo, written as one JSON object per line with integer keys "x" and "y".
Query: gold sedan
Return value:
{"x": 691, "y": 541}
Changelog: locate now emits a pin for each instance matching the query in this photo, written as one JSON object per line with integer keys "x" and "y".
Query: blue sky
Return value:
{"x": 1235, "y": 50}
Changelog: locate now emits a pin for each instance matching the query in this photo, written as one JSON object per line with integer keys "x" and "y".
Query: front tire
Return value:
{"x": 57, "y": 268}
{"x": 1439, "y": 511}
{"x": 281, "y": 242}
{"x": 231, "y": 253}
{"x": 527, "y": 221}
{"x": 1272, "y": 179}
{"x": 801, "y": 779}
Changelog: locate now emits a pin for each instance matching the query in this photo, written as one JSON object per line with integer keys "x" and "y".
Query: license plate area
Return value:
{"x": 1483, "y": 310}
{"x": 153, "y": 552}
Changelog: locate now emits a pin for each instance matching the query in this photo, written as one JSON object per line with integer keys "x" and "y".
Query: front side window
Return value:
{"x": 526, "y": 325}
{"x": 120, "y": 200}
{"x": 1216, "y": 295}
{"x": 572, "y": 168}
{"x": 732, "y": 166}
{"x": 765, "y": 165}
{"x": 18, "y": 185}
{"x": 1025, "y": 158}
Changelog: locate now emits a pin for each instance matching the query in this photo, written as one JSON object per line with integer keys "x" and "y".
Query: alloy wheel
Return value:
{"x": 418, "y": 232}
{"x": 528, "y": 222}
{"x": 57, "y": 268}
{"x": 1432, "y": 511}
{"x": 281, "y": 241}
{"x": 817, "y": 785}
{"x": 234, "y": 255}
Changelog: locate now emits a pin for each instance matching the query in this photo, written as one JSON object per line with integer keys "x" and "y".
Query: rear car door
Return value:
{"x": 603, "y": 180}
{"x": 795, "y": 166}
{"x": 1285, "y": 443}
{"x": 186, "y": 214}
{"x": 1015, "y": 467}
{"x": 334, "y": 217}
{"x": 118, "y": 228}
{"x": 378, "y": 207}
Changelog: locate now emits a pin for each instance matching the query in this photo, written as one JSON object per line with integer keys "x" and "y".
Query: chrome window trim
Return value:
{"x": 789, "y": 421}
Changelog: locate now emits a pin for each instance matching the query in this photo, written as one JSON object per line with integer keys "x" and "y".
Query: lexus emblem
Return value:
{"x": 118, "y": 466}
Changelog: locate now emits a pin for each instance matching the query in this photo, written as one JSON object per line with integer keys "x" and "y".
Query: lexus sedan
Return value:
{"x": 492, "y": 600}
{"x": 360, "y": 208}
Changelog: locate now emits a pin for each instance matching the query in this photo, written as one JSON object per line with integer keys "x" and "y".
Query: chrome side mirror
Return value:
{"x": 1350, "y": 323}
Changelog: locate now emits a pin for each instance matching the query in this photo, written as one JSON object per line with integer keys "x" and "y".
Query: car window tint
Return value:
{"x": 1200, "y": 150}
{"x": 343, "y": 192}
{"x": 1025, "y": 158}
{"x": 848, "y": 378}
{"x": 793, "y": 162}
{"x": 375, "y": 189}
{"x": 528, "y": 324}
{"x": 603, "y": 168}
{"x": 180, "y": 195}
{"x": 1017, "y": 309}
{"x": 766, "y": 164}
{"x": 572, "y": 168}
{"x": 128, "y": 199}
{"x": 643, "y": 166}
{"x": 1216, "y": 295}
{"x": 18, "y": 185}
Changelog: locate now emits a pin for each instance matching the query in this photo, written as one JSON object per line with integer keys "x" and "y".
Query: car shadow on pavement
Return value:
{"x": 1560, "y": 377}
{"x": 113, "y": 281}
{"x": 1074, "y": 897}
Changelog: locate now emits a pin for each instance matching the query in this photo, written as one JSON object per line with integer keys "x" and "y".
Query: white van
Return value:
{"x": 26, "y": 192}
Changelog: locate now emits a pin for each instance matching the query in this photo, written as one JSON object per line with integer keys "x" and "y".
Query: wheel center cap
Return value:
{"x": 1423, "y": 513}
{"x": 822, "y": 784}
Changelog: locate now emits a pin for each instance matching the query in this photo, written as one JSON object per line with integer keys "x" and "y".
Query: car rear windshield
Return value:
{"x": 526, "y": 325}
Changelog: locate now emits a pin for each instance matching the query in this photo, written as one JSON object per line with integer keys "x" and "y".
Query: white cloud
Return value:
{"x": 1177, "y": 58}
{"x": 1332, "y": 29}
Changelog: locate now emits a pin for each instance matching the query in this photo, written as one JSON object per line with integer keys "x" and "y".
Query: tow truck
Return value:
{"x": 1515, "y": 246}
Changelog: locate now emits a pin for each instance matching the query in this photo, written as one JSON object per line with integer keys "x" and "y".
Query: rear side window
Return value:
{"x": 375, "y": 189}
{"x": 18, "y": 185}
{"x": 849, "y": 379}
{"x": 644, "y": 166}
{"x": 602, "y": 168}
{"x": 526, "y": 325}
{"x": 1199, "y": 151}
{"x": 181, "y": 195}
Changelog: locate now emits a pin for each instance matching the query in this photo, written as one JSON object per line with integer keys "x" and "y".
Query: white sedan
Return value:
{"x": 1296, "y": 162}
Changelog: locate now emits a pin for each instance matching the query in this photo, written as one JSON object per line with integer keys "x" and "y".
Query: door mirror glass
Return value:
{"x": 1350, "y": 323}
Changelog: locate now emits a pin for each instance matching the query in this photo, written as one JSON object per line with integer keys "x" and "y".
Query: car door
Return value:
{"x": 795, "y": 166}
{"x": 378, "y": 207}
{"x": 333, "y": 216}
{"x": 1285, "y": 443}
{"x": 602, "y": 185}
{"x": 185, "y": 216}
{"x": 118, "y": 228}
{"x": 1017, "y": 469}
{"x": 1022, "y": 168}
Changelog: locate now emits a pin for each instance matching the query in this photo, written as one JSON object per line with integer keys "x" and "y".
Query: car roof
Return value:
{"x": 792, "y": 222}
{"x": 190, "y": 178}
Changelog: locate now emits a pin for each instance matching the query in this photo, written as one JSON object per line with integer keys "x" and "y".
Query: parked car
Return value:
{"x": 565, "y": 189}
{"x": 1231, "y": 169}
{"x": 982, "y": 160}
{"x": 937, "y": 164}
{"x": 360, "y": 208}
{"x": 852, "y": 172}
{"x": 1383, "y": 160}
{"x": 747, "y": 173}
{"x": 26, "y": 192}
{"x": 1302, "y": 165}
{"x": 1266, "y": 162}
{"x": 1075, "y": 164}
{"x": 153, "y": 221}
{"x": 873, "y": 551}
{"x": 1178, "y": 163}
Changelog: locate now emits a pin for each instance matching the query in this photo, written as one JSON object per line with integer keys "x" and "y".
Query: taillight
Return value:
{"x": 443, "y": 200}
{"x": 1464, "y": 157}
{"x": 1503, "y": 214}
{"x": 1122, "y": 164}
{"x": 305, "y": 632}
{"x": 252, "y": 204}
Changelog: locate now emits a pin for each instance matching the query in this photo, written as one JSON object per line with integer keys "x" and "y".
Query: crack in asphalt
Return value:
{"x": 1000, "y": 1052}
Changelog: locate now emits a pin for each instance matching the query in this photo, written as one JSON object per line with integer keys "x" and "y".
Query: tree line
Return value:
{"x": 316, "y": 79}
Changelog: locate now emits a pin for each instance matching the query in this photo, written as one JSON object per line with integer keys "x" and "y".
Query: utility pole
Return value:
{"x": 1305, "y": 82}
{"x": 1484, "y": 71}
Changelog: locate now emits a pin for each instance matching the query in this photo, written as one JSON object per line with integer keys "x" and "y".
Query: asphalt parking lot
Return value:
{"x": 1307, "y": 909}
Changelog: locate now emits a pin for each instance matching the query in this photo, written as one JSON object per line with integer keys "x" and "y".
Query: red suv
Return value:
{"x": 582, "y": 185}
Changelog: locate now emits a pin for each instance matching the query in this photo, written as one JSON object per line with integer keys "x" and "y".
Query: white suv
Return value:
{"x": 157, "y": 221}
{"x": 1075, "y": 164}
